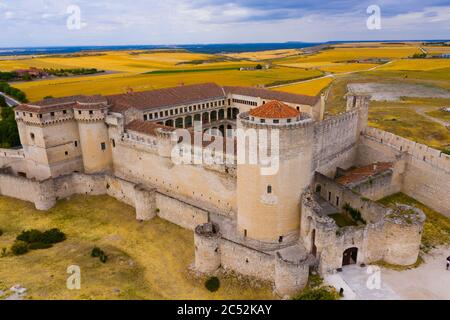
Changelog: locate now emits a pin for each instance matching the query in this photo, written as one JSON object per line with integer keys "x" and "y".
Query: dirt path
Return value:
{"x": 422, "y": 111}
{"x": 333, "y": 75}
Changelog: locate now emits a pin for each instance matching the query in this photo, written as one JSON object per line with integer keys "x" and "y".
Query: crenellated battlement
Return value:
{"x": 416, "y": 150}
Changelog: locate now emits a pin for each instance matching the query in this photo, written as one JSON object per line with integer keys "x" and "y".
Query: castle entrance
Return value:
{"x": 350, "y": 256}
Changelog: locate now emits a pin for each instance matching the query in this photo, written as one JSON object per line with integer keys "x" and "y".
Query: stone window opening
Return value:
{"x": 280, "y": 239}
{"x": 52, "y": 114}
{"x": 103, "y": 145}
{"x": 329, "y": 196}
{"x": 337, "y": 201}
{"x": 75, "y": 143}
{"x": 269, "y": 189}
{"x": 91, "y": 112}
{"x": 245, "y": 233}
{"x": 66, "y": 153}
{"x": 32, "y": 135}
{"x": 113, "y": 142}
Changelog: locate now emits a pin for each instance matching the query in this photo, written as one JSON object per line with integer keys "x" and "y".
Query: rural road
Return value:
{"x": 422, "y": 112}
{"x": 332, "y": 75}
{"x": 10, "y": 101}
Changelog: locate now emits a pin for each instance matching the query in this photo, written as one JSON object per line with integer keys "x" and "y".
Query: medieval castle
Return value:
{"x": 272, "y": 227}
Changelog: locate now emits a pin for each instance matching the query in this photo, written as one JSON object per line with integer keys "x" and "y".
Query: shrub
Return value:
{"x": 53, "y": 236}
{"x": 212, "y": 284}
{"x": 30, "y": 236}
{"x": 99, "y": 253}
{"x": 19, "y": 247}
{"x": 47, "y": 237}
{"x": 321, "y": 293}
{"x": 96, "y": 252}
{"x": 103, "y": 258}
{"x": 39, "y": 245}
{"x": 3, "y": 254}
{"x": 1, "y": 232}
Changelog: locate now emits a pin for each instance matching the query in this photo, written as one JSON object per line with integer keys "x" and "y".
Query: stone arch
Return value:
{"x": 188, "y": 121}
{"x": 213, "y": 115}
{"x": 169, "y": 123}
{"x": 235, "y": 113}
{"x": 179, "y": 123}
{"x": 229, "y": 113}
{"x": 350, "y": 256}
{"x": 221, "y": 114}
{"x": 205, "y": 117}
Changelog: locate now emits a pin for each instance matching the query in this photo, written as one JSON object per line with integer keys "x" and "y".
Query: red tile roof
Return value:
{"x": 146, "y": 127}
{"x": 274, "y": 110}
{"x": 166, "y": 97}
{"x": 273, "y": 95}
{"x": 362, "y": 173}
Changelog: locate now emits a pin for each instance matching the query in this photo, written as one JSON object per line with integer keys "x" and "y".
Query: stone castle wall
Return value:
{"x": 335, "y": 142}
{"x": 213, "y": 251}
{"x": 392, "y": 239}
{"x": 427, "y": 170}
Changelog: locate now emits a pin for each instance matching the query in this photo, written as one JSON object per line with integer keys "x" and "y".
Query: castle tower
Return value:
{"x": 359, "y": 101}
{"x": 268, "y": 200}
{"x": 94, "y": 139}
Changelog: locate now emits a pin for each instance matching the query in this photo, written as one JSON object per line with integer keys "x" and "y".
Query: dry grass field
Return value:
{"x": 147, "y": 260}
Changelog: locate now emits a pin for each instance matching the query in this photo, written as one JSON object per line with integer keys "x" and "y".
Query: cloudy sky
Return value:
{"x": 122, "y": 22}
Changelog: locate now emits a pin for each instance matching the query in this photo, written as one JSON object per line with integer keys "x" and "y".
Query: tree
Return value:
{"x": 3, "y": 103}
{"x": 9, "y": 134}
{"x": 258, "y": 67}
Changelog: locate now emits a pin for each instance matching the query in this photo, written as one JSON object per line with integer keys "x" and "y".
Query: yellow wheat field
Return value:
{"x": 120, "y": 83}
{"x": 312, "y": 88}
{"x": 418, "y": 64}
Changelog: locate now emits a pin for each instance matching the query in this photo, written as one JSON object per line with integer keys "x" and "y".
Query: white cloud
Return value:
{"x": 43, "y": 22}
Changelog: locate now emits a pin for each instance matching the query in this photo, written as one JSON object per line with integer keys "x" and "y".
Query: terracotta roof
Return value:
{"x": 166, "y": 97}
{"x": 362, "y": 173}
{"x": 273, "y": 95}
{"x": 274, "y": 110}
{"x": 146, "y": 127}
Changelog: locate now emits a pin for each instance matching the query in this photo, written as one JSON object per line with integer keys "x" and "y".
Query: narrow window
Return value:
{"x": 113, "y": 143}
{"x": 66, "y": 153}
{"x": 32, "y": 135}
{"x": 337, "y": 201}
{"x": 276, "y": 121}
{"x": 329, "y": 196}
{"x": 79, "y": 111}
{"x": 64, "y": 111}
{"x": 245, "y": 233}
{"x": 103, "y": 145}
{"x": 269, "y": 189}
{"x": 145, "y": 117}
{"x": 91, "y": 112}
{"x": 280, "y": 239}
{"x": 52, "y": 114}
{"x": 76, "y": 143}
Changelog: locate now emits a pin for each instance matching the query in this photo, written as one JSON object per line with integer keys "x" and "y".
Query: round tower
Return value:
{"x": 268, "y": 192}
{"x": 94, "y": 138}
{"x": 207, "y": 251}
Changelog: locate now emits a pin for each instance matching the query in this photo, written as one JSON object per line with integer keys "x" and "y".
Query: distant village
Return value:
{"x": 36, "y": 73}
